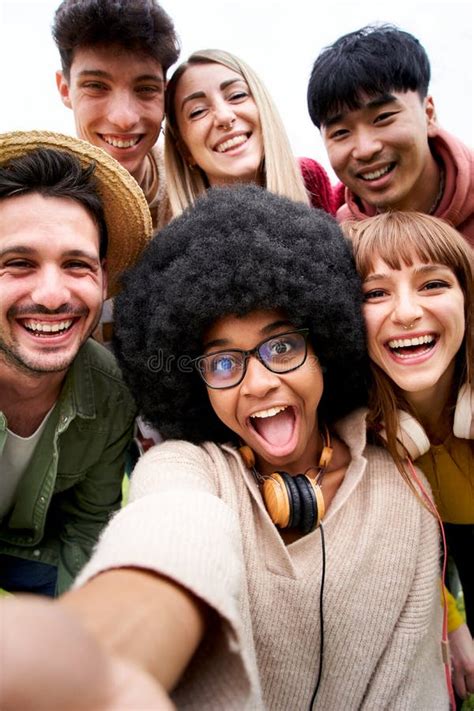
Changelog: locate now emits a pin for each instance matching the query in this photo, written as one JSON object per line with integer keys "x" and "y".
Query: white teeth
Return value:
{"x": 231, "y": 143}
{"x": 406, "y": 342}
{"x": 118, "y": 143}
{"x": 271, "y": 412}
{"x": 46, "y": 327}
{"x": 376, "y": 174}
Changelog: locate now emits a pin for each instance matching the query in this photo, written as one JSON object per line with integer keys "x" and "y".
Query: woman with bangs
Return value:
{"x": 222, "y": 128}
{"x": 418, "y": 286}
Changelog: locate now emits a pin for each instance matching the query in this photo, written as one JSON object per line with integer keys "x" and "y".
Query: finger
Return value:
{"x": 459, "y": 683}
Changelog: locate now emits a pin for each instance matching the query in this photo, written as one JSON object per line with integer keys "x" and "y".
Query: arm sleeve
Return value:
{"x": 177, "y": 526}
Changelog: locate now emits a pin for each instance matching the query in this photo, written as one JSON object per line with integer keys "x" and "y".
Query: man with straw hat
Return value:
{"x": 71, "y": 220}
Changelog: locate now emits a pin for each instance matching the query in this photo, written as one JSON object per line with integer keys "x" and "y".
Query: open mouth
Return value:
{"x": 118, "y": 142}
{"x": 377, "y": 174}
{"x": 411, "y": 347}
{"x": 231, "y": 143}
{"x": 275, "y": 425}
{"x": 47, "y": 329}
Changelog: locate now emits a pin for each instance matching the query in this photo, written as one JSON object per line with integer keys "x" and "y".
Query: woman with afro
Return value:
{"x": 268, "y": 558}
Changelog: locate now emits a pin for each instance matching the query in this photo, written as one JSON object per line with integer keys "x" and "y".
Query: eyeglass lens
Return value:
{"x": 279, "y": 354}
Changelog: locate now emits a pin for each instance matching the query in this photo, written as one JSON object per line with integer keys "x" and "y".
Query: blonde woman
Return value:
{"x": 222, "y": 127}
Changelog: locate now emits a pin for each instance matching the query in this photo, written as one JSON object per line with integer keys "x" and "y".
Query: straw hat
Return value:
{"x": 126, "y": 211}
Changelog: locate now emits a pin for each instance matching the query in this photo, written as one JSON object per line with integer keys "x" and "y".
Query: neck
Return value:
{"x": 432, "y": 406}
{"x": 432, "y": 189}
{"x": 25, "y": 399}
{"x": 139, "y": 173}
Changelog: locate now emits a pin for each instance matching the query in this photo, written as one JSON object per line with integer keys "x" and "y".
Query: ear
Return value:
{"x": 63, "y": 88}
{"x": 431, "y": 117}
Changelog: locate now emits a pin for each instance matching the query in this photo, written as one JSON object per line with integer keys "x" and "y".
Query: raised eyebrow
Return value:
{"x": 275, "y": 324}
{"x": 218, "y": 342}
{"x": 223, "y": 342}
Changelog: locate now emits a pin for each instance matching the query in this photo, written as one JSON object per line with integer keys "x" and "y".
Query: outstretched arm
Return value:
{"x": 143, "y": 617}
{"x": 50, "y": 661}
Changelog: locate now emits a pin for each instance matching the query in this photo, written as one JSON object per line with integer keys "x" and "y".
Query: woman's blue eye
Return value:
{"x": 280, "y": 347}
{"x": 223, "y": 364}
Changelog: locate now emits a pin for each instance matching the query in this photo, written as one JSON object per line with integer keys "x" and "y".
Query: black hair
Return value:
{"x": 55, "y": 173}
{"x": 372, "y": 61}
{"x": 235, "y": 251}
{"x": 141, "y": 26}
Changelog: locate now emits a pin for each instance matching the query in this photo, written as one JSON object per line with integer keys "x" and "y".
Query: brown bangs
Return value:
{"x": 400, "y": 237}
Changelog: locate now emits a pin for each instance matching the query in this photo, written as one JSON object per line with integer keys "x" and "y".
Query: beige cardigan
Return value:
{"x": 196, "y": 515}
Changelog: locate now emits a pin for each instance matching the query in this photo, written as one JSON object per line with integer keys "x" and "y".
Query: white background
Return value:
{"x": 279, "y": 39}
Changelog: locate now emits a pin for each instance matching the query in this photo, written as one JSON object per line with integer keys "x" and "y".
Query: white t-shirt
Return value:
{"x": 14, "y": 460}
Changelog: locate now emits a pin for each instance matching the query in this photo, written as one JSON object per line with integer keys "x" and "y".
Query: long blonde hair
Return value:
{"x": 395, "y": 237}
{"x": 281, "y": 174}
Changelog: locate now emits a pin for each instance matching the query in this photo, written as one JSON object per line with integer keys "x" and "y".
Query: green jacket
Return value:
{"x": 73, "y": 482}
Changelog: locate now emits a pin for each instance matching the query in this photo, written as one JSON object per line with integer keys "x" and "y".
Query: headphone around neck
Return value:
{"x": 412, "y": 436}
{"x": 293, "y": 501}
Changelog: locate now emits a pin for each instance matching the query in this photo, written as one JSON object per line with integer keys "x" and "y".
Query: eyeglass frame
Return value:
{"x": 254, "y": 352}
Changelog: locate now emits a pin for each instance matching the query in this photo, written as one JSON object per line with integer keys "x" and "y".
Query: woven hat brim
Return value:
{"x": 126, "y": 210}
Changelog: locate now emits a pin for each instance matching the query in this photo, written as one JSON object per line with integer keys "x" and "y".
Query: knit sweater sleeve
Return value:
{"x": 402, "y": 679}
{"x": 176, "y": 525}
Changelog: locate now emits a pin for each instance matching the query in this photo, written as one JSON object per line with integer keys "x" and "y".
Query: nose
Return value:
{"x": 123, "y": 111}
{"x": 224, "y": 115}
{"x": 407, "y": 309}
{"x": 258, "y": 380}
{"x": 366, "y": 144}
{"x": 50, "y": 289}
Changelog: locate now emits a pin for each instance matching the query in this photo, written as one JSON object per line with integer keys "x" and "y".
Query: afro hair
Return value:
{"x": 235, "y": 251}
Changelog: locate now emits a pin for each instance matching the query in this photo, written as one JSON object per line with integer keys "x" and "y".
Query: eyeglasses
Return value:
{"x": 280, "y": 354}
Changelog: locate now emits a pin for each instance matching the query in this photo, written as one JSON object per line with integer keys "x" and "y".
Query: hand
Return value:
{"x": 50, "y": 662}
{"x": 461, "y": 646}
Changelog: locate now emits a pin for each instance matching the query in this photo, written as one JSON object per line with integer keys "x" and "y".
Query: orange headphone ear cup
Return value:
{"x": 276, "y": 500}
{"x": 463, "y": 426}
{"x": 293, "y": 502}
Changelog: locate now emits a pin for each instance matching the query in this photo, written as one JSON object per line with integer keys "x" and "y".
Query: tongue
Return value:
{"x": 276, "y": 430}
{"x": 414, "y": 350}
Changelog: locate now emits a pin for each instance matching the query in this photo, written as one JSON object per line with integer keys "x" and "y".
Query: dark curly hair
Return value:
{"x": 372, "y": 61}
{"x": 140, "y": 26}
{"x": 235, "y": 251}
